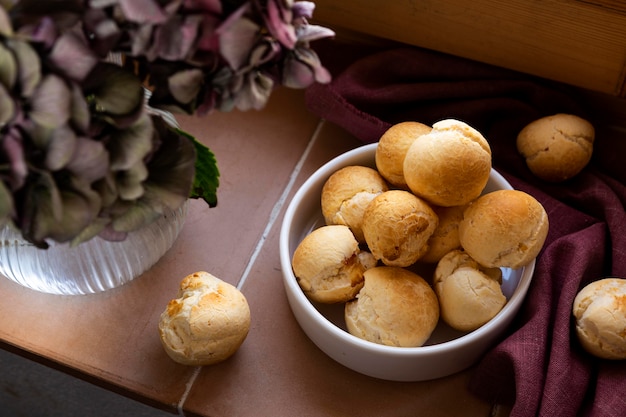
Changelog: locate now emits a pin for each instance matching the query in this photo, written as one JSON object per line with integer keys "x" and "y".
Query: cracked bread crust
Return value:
{"x": 600, "y": 313}
{"x": 557, "y": 147}
{"x": 469, "y": 294}
{"x": 347, "y": 193}
{"x": 396, "y": 307}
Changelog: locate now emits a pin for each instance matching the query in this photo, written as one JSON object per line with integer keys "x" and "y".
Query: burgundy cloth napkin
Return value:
{"x": 538, "y": 367}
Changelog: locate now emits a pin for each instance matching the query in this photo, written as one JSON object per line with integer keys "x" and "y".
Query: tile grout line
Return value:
{"x": 272, "y": 220}
{"x": 183, "y": 398}
{"x": 279, "y": 204}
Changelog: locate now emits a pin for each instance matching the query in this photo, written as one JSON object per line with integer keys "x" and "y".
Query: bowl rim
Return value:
{"x": 290, "y": 281}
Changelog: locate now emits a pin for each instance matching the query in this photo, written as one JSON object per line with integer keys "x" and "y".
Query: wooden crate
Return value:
{"x": 578, "y": 42}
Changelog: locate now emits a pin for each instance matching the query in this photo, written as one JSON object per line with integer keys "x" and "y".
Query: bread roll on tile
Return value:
{"x": 329, "y": 265}
{"x": 396, "y": 307}
{"x": 347, "y": 193}
{"x": 504, "y": 228}
{"x": 449, "y": 166}
{"x": 557, "y": 147}
{"x": 207, "y": 323}
{"x": 600, "y": 313}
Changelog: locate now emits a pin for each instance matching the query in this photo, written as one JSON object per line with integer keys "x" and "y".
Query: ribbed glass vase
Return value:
{"x": 93, "y": 266}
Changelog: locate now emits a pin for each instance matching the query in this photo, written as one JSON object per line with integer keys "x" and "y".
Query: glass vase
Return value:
{"x": 93, "y": 266}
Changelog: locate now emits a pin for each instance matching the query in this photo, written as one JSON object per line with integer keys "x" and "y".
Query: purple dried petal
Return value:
{"x": 115, "y": 91}
{"x": 5, "y": 23}
{"x": 185, "y": 85}
{"x": 255, "y": 92}
{"x": 141, "y": 39}
{"x": 209, "y": 6}
{"x": 90, "y": 160}
{"x": 303, "y": 9}
{"x": 130, "y": 182}
{"x": 207, "y": 37}
{"x": 30, "y": 67}
{"x": 60, "y": 147}
{"x": 174, "y": 40}
{"x": 14, "y": 149}
{"x": 7, "y": 106}
{"x": 80, "y": 207}
{"x": 278, "y": 21}
{"x": 297, "y": 74}
{"x": 103, "y": 33}
{"x": 8, "y": 67}
{"x": 44, "y": 32}
{"x": 264, "y": 52}
{"x": 142, "y": 11}
{"x": 236, "y": 40}
{"x": 72, "y": 56}
{"x": 303, "y": 68}
{"x": 51, "y": 102}
{"x": 80, "y": 114}
{"x": 309, "y": 33}
{"x": 130, "y": 146}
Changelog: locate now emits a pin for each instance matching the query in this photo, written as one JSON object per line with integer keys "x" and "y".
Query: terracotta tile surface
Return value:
{"x": 111, "y": 338}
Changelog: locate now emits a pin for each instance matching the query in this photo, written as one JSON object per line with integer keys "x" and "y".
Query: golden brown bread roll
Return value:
{"x": 329, "y": 265}
{"x": 446, "y": 236}
{"x": 396, "y": 307}
{"x": 449, "y": 166}
{"x": 207, "y": 323}
{"x": 600, "y": 313}
{"x": 504, "y": 228}
{"x": 557, "y": 147}
{"x": 469, "y": 294}
{"x": 347, "y": 193}
{"x": 397, "y": 226}
{"x": 392, "y": 148}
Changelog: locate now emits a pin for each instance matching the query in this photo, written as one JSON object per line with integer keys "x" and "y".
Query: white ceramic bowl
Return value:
{"x": 447, "y": 351}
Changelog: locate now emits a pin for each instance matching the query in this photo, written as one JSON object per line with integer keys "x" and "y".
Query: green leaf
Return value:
{"x": 207, "y": 176}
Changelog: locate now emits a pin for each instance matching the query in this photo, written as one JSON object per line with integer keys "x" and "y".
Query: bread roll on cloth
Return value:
{"x": 557, "y": 147}
{"x": 392, "y": 148}
{"x": 396, "y": 307}
{"x": 207, "y": 323}
{"x": 504, "y": 228}
{"x": 600, "y": 313}
{"x": 329, "y": 265}
{"x": 397, "y": 226}
{"x": 347, "y": 193}
{"x": 449, "y": 166}
{"x": 469, "y": 294}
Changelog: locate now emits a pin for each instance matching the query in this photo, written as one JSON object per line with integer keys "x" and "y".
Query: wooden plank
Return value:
{"x": 582, "y": 43}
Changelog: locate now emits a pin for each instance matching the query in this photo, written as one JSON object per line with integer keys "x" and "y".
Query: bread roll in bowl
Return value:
{"x": 469, "y": 294}
{"x": 392, "y": 148}
{"x": 396, "y": 307}
{"x": 600, "y": 313}
{"x": 504, "y": 228}
{"x": 329, "y": 265}
{"x": 347, "y": 193}
{"x": 207, "y": 323}
{"x": 445, "y": 238}
{"x": 557, "y": 147}
{"x": 397, "y": 226}
{"x": 449, "y": 166}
